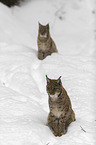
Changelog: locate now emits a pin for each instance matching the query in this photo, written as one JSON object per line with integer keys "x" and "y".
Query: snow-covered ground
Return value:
{"x": 23, "y": 98}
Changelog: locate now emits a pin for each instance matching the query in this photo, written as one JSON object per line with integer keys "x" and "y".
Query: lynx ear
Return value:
{"x": 47, "y": 26}
{"x": 59, "y": 77}
{"x": 48, "y": 80}
{"x": 39, "y": 24}
{"x": 59, "y": 80}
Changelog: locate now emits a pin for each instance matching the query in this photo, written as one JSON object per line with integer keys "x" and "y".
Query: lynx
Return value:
{"x": 61, "y": 113}
{"x": 46, "y": 45}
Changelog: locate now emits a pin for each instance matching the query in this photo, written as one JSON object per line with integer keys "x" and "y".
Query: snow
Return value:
{"x": 23, "y": 98}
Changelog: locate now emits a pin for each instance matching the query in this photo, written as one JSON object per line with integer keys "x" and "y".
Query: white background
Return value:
{"x": 23, "y": 98}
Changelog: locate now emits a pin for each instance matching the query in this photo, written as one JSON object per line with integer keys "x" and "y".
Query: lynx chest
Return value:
{"x": 56, "y": 108}
{"x": 44, "y": 46}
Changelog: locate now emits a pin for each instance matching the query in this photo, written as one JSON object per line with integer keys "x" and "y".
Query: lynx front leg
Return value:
{"x": 53, "y": 124}
{"x": 47, "y": 52}
{"x": 41, "y": 55}
{"x": 55, "y": 127}
{"x": 62, "y": 129}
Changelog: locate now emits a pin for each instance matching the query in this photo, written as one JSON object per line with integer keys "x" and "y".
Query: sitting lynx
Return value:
{"x": 46, "y": 45}
{"x": 61, "y": 113}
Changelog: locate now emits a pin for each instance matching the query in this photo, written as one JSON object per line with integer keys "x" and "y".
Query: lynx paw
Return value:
{"x": 55, "y": 133}
{"x": 62, "y": 133}
{"x": 59, "y": 134}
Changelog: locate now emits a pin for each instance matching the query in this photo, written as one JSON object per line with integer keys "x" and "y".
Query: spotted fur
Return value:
{"x": 61, "y": 113}
{"x": 46, "y": 45}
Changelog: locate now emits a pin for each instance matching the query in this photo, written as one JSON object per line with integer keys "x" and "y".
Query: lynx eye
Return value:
{"x": 49, "y": 88}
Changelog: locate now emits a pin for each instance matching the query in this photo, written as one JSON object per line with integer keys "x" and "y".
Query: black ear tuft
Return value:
{"x": 47, "y": 26}
{"x": 39, "y": 24}
{"x": 48, "y": 80}
{"x": 60, "y": 77}
{"x": 46, "y": 77}
{"x": 59, "y": 80}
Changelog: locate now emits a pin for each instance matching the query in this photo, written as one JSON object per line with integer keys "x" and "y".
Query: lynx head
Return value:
{"x": 54, "y": 87}
{"x": 43, "y": 31}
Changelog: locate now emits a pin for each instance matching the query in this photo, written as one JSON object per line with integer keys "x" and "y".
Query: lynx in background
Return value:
{"x": 46, "y": 45}
{"x": 61, "y": 113}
